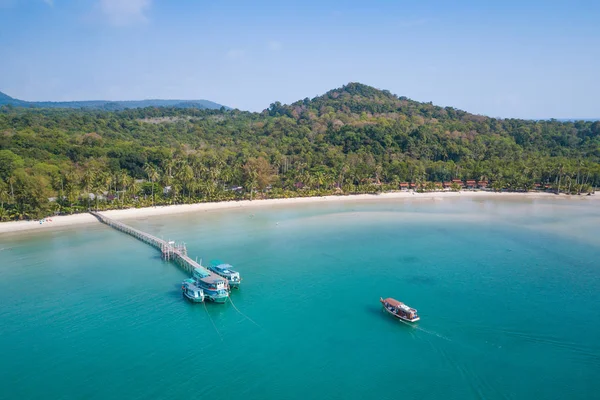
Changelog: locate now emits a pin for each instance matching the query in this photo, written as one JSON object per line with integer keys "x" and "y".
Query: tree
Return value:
{"x": 4, "y": 193}
{"x": 72, "y": 182}
{"x": 185, "y": 175}
{"x": 87, "y": 183}
{"x": 9, "y": 162}
{"x": 258, "y": 172}
{"x": 153, "y": 175}
{"x": 124, "y": 179}
{"x": 11, "y": 181}
{"x": 30, "y": 196}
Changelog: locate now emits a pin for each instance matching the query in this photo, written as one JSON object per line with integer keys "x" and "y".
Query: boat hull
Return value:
{"x": 400, "y": 317}
{"x": 219, "y": 298}
{"x": 193, "y": 299}
{"x": 191, "y": 292}
{"x": 385, "y": 306}
{"x": 232, "y": 284}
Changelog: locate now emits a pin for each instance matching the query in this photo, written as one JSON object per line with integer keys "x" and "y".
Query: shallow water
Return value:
{"x": 507, "y": 292}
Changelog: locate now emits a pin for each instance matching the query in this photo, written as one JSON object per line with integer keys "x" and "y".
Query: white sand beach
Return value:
{"x": 78, "y": 219}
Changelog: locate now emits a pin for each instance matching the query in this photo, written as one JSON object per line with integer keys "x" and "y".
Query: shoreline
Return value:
{"x": 85, "y": 218}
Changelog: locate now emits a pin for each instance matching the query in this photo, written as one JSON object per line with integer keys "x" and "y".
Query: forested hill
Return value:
{"x": 352, "y": 139}
{"x": 357, "y": 115}
{"x": 110, "y": 105}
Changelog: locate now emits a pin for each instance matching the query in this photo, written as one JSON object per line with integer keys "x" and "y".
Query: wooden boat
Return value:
{"x": 214, "y": 287}
{"x": 227, "y": 272}
{"x": 192, "y": 292}
{"x": 399, "y": 310}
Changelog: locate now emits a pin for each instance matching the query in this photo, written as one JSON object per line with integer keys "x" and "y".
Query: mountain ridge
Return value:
{"x": 356, "y": 97}
{"x": 110, "y": 105}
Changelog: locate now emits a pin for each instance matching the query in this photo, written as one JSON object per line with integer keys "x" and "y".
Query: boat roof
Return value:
{"x": 224, "y": 267}
{"x": 213, "y": 278}
{"x": 396, "y": 303}
{"x": 192, "y": 286}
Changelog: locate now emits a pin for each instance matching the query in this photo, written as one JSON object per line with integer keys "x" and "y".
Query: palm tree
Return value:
{"x": 11, "y": 181}
{"x": 134, "y": 186}
{"x": 71, "y": 184}
{"x": 100, "y": 185}
{"x": 251, "y": 182}
{"x": 19, "y": 212}
{"x": 185, "y": 175}
{"x": 4, "y": 215}
{"x": 87, "y": 182}
{"x": 153, "y": 175}
{"x": 167, "y": 166}
{"x": 124, "y": 180}
{"x": 319, "y": 179}
{"x": 3, "y": 193}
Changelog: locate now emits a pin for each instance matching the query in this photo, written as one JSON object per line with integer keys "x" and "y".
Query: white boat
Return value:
{"x": 399, "y": 310}
{"x": 227, "y": 272}
{"x": 191, "y": 291}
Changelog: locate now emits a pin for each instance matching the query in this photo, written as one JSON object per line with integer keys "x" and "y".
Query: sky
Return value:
{"x": 513, "y": 58}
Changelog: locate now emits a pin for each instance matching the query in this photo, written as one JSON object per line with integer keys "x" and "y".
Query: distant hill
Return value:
{"x": 110, "y": 105}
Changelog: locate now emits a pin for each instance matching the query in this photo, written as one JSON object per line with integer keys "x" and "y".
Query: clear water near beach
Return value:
{"x": 507, "y": 291}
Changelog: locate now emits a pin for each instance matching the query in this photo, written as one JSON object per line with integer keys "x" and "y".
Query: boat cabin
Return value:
{"x": 192, "y": 292}
{"x": 227, "y": 271}
{"x": 214, "y": 282}
{"x": 400, "y": 309}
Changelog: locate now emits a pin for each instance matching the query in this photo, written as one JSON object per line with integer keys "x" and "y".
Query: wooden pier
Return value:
{"x": 169, "y": 250}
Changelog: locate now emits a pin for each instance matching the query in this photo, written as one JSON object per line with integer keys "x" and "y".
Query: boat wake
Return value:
{"x": 433, "y": 333}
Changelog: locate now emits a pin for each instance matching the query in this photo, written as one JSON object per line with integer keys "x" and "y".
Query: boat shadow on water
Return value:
{"x": 176, "y": 294}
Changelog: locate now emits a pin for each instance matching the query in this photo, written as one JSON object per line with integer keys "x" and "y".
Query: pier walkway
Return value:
{"x": 169, "y": 250}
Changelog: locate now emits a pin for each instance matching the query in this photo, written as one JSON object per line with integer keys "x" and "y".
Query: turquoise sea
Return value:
{"x": 508, "y": 292}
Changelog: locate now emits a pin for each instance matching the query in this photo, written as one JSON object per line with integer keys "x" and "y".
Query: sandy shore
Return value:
{"x": 78, "y": 219}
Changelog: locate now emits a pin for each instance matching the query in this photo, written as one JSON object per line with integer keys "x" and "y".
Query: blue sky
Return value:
{"x": 526, "y": 59}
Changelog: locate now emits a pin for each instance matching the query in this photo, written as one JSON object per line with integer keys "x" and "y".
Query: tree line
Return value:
{"x": 355, "y": 139}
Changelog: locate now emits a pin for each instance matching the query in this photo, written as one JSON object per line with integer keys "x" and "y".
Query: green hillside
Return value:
{"x": 353, "y": 139}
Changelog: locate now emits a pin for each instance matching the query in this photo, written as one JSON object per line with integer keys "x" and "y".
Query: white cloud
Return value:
{"x": 235, "y": 54}
{"x": 49, "y": 2}
{"x": 125, "y": 12}
{"x": 275, "y": 45}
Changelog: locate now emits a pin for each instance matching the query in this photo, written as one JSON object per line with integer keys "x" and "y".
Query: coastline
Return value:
{"x": 84, "y": 218}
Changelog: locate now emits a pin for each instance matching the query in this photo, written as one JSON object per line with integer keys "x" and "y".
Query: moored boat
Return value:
{"x": 191, "y": 291}
{"x": 226, "y": 271}
{"x": 214, "y": 287}
{"x": 399, "y": 310}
